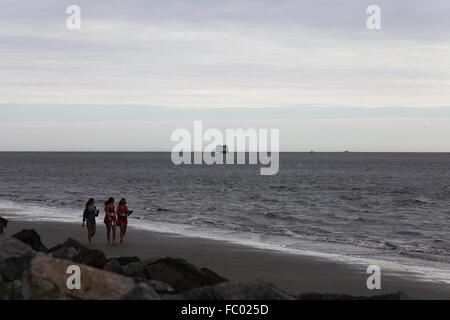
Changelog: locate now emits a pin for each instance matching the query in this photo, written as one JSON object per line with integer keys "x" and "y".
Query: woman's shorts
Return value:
{"x": 90, "y": 223}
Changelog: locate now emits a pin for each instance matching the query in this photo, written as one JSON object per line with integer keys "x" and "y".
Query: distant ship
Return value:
{"x": 222, "y": 149}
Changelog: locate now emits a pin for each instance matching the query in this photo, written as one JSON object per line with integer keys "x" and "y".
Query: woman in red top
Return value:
{"x": 122, "y": 218}
{"x": 110, "y": 220}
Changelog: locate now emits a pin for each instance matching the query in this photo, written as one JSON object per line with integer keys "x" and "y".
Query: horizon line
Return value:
{"x": 159, "y": 151}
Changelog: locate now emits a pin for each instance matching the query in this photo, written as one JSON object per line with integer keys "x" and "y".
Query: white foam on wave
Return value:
{"x": 27, "y": 212}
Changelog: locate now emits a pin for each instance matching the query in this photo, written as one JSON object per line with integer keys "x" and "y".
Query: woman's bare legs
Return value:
{"x": 123, "y": 229}
{"x": 91, "y": 232}
{"x": 108, "y": 232}
{"x": 114, "y": 233}
{"x": 110, "y": 226}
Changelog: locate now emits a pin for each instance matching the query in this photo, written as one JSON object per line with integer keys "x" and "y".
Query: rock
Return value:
{"x": 335, "y": 296}
{"x": 113, "y": 266}
{"x": 67, "y": 253}
{"x": 141, "y": 291}
{"x": 181, "y": 275}
{"x": 158, "y": 286}
{"x": 214, "y": 277}
{"x": 15, "y": 258}
{"x": 3, "y": 224}
{"x": 71, "y": 249}
{"x": 47, "y": 279}
{"x": 137, "y": 269}
{"x": 95, "y": 258}
{"x": 74, "y": 251}
{"x": 116, "y": 264}
{"x": 32, "y": 238}
{"x": 178, "y": 273}
{"x": 123, "y": 261}
{"x": 252, "y": 290}
{"x": 77, "y": 245}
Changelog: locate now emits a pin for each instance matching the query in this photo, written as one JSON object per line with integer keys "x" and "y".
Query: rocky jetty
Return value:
{"x": 28, "y": 270}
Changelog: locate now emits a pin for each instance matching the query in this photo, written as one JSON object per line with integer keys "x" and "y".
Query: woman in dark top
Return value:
{"x": 89, "y": 214}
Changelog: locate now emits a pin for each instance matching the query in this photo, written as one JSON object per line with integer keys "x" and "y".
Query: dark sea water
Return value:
{"x": 382, "y": 205}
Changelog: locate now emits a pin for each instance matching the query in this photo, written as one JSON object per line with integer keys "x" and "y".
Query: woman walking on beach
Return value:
{"x": 122, "y": 218}
{"x": 110, "y": 220}
{"x": 89, "y": 214}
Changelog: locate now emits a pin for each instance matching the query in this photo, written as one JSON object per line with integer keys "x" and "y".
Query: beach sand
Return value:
{"x": 291, "y": 272}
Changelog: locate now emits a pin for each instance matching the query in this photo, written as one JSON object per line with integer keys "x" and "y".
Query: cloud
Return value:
{"x": 232, "y": 54}
{"x": 307, "y": 67}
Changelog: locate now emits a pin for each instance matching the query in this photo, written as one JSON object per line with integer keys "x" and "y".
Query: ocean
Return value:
{"x": 387, "y": 208}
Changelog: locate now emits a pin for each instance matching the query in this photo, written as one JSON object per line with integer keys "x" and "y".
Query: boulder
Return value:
{"x": 158, "y": 286}
{"x": 252, "y": 290}
{"x": 212, "y": 276}
{"x": 3, "y": 224}
{"x": 137, "y": 269}
{"x": 141, "y": 291}
{"x": 95, "y": 258}
{"x": 113, "y": 266}
{"x": 71, "y": 249}
{"x": 31, "y": 238}
{"x": 116, "y": 264}
{"x": 123, "y": 261}
{"x": 72, "y": 243}
{"x": 15, "y": 258}
{"x": 47, "y": 279}
{"x": 67, "y": 253}
{"x": 178, "y": 273}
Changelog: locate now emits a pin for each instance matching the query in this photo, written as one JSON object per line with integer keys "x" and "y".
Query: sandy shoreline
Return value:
{"x": 293, "y": 273}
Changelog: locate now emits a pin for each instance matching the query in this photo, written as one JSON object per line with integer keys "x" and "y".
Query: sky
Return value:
{"x": 137, "y": 70}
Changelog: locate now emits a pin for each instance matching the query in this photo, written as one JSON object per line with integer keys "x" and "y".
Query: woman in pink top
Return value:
{"x": 110, "y": 220}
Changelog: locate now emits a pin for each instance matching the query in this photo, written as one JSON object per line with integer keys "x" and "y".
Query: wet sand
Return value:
{"x": 291, "y": 272}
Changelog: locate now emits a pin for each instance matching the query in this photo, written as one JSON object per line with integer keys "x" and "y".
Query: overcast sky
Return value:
{"x": 310, "y": 68}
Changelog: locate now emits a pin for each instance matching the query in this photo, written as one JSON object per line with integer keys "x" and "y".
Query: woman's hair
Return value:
{"x": 90, "y": 202}
{"x": 109, "y": 201}
{"x": 122, "y": 202}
